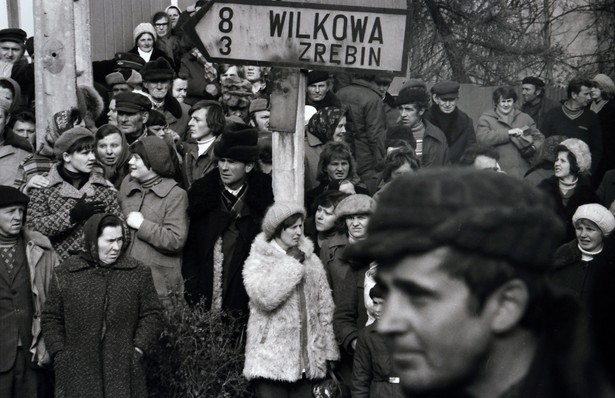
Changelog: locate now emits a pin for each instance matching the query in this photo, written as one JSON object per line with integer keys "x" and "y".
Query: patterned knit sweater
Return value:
{"x": 49, "y": 210}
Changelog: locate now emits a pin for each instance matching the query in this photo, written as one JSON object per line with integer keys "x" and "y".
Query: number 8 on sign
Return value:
{"x": 225, "y": 26}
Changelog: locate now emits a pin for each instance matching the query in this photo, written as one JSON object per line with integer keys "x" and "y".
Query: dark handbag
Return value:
{"x": 331, "y": 387}
{"x": 526, "y": 148}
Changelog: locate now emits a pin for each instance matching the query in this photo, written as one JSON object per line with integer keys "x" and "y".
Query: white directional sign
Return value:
{"x": 314, "y": 36}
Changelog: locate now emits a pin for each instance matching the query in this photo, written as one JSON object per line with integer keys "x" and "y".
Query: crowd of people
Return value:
{"x": 479, "y": 250}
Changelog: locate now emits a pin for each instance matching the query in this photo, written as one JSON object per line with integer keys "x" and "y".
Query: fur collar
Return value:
{"x": 265, "y": 248}
{"x": 204, "y": 195}
{"x": 567, "y": 254}
{"x": 172, "y": 105}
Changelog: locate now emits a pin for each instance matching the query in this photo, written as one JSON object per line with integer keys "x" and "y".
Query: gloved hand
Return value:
{"x": 331, "y": 366}
{"x": 84, "y": 210}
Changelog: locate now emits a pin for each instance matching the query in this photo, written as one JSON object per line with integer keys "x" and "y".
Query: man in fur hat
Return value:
{"x": 469, "y": 312}
{"x": 226, "y": 207}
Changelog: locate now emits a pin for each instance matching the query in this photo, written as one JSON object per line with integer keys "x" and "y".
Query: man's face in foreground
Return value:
{"x": 436, "y": 339}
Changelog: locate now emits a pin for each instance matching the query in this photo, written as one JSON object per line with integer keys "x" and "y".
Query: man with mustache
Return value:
{"x": 27, "y": 260}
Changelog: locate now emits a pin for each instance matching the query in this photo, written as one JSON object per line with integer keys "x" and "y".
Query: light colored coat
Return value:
{"x": 273, "y": 349}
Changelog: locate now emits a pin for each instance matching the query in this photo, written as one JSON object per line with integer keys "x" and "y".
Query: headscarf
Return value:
{"x": 322, "y": 125}
{"x": 112, "y": 172}
{"x": 90, "y": 239}
{"x": 62, "y": 121}
{"x": 16, "y": 93}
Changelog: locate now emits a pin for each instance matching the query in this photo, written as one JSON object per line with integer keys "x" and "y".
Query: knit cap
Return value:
{"x": 156, "y": 154}
{"x": 606, "y": 83}
{"x": 355, "y": 204}
{"x": 277, "y": 213}
{"x": 69, "y": 137}
{"x": 598, "y": 214}
{"x": 580, "y": 151}
{"x": 144, "y": 27}
{"x": 472, "y": 210}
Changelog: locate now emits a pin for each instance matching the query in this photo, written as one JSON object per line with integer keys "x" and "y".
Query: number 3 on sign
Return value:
{"x": 225, "y": 26}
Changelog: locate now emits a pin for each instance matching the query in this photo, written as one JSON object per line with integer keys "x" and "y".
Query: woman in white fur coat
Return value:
{"x": 290, "y": 334}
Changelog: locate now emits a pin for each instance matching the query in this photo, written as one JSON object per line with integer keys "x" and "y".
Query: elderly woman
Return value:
{"x": 511, "y": 132}
{"x": 328, "y": 124}
{"x": 336, "y": 171}
{"x": 101, "y": 317}
{"x": 155, "y": 209}
{"x": 570, "y": 186}
{"x": 144, "y": 36}
{"x": 112, "y": 153}
{"x": 290, "y": 336}
{"x": 576, "y": 262}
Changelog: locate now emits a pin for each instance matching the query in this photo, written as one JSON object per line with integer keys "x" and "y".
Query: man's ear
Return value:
{"x": 249, "y": 167}
{"x": 507, "y": 305}
{"x": 421, "y": 112}
{"x": 145, "y": 117}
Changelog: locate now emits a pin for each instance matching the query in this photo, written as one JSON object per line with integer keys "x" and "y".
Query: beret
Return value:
{"x": 446, "y": 89}
{"x": 315, "y": 76}
{"x": 10, "y": 196}
{"x": 477, "y": 211}
{"x": 277, "y": 213}
{"x": 355, "y": 204}
{"x": 132, "y": 103}
{"x": 533, "y": 80}
{"x": 69, "y": 137}
{"x": 598, "y": 214}
{"x": 13, "y": 34}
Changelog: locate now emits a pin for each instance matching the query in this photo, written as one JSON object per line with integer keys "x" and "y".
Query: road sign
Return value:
{"x": 311, "y": 36}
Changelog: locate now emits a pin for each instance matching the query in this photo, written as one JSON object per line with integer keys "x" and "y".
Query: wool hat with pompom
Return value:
{"x": 598, "y": 214}
{"x": 277, "y": 213}
{"x": 580, "y": 151}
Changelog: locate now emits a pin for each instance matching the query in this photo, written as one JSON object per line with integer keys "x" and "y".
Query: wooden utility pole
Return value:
{"x": 83, "y": 43}
{"x": 286, "y": 121}
{"x": 54, "y": 63}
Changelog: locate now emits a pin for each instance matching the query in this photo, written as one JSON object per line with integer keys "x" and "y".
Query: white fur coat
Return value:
{"x": 273, "y": 345}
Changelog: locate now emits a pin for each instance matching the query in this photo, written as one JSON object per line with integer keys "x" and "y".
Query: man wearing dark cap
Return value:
{"x": 318, "y": 93}
{"x": 535, "y": 103}
{"x": 226, "y": 208}
{"x": 454, "y": 123}
{"x": 27, "y": 260}
{"x": 431, "y": 143}
{"x": 259, "y": 114}
{"x": 469, "y": 312}
{"x": 132, "y": 114}
{"x": 12, "y": 46}
{"x": 157, "y": 80}
{"x": 123, "y": 81}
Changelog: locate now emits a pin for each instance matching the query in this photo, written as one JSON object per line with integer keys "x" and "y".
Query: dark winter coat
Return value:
{"x": 94, "y": 318}
{"x": 156, "y": 53}
{"x": 331, "y": 257}
{"x": 457, "y": 127}
{"x": 607, "y": 125}
{"x": 606, "y": 190}
{"x": 538, "y": 111}
{"x": 371, "y": 372}
{"x": 330, "y": 99}
{"x": 274, "y": 281}
{"x": 583, "y": 194}
{"x": 197, "y": 82}
{"x": 435, "y": 148}
{"x": 350, "y": 315}
{"x": 208, "y": 221}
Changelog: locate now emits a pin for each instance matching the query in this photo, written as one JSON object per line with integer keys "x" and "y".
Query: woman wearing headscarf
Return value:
{"x": 570, "y": 186}
{"x": 328, "y": 124}
{"x": 290, "y": 339}
{"x": 155, "y": 208}
{"x": 101, "y": 317}
{"x": 112, "y": 153}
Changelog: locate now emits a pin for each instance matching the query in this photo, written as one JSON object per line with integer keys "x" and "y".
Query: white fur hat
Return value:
{"x": 277, "y": 213}
{"x": 144, "y": 27}
{"x": 598, "y": 214}
{"x": 581, "y": 152}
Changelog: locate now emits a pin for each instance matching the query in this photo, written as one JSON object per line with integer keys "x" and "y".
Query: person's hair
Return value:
{"x": 483, "y": 275}
{"x": 607, "y": 95}
{"x": 377, "y": 291}
{"x": 334, "y": 151}
{"x": 329, "y": 198}
{"x": 574, "y": 86}
{"x": 504, "y": 93}
{"x": 82, "y": 144}
{"x": 574, "y": 165}
{"x": 106, "y": 130}
{"x": 215, "y": 116}
{"x": 23, "y": 116}
{"x": 109, "y": 221}
{"x": 180, "y": 76}
{"x": 7, "y": 85}
{"x": 369, "y": 77}
{"x": 222, "y": 68}
{"x": 288, "y": 222}
{"x": 397, "y": 143}
{"x": 159, "y": 15}
{"x": 156, "y": 118}
{"x": 475, "y": 150}
{"x": 397, "y": 158}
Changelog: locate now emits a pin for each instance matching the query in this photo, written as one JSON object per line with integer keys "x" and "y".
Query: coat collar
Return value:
{"x": 434, "y": 132}
{"x": 312, "y": 140}
{"x": 69, "y": 191}
{"x": 161, "y": 189}
{"x": 76, "y": 263}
